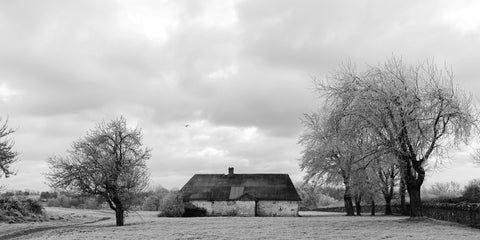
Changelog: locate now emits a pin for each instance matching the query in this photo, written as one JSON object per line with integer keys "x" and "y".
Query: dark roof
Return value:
{"x": 220, "y": 187}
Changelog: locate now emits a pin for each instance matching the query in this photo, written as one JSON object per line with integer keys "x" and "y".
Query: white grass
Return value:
{"x": 312, "y": 226}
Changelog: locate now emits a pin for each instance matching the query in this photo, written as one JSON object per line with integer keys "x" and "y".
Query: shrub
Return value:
{"x": 53, "y": 202}
{"x": 48, "y": 195}
{"x": 193, "y": 211}
{"x": 19, "y": 209}
{"x": 153, "y": 198}
{"x": 472, "y": 191}
{"x": 151, "y": 203}
{"x": 33, "y": 206}
{"x": 172, "y": 205}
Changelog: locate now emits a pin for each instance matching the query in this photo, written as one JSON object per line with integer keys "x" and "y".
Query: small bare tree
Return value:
{"x": 386, "y": 179}
{"x": 323, "y": 159}
{"x": 7, "y": 154}
{"x": 334, "y": 150}
{"x": 444, "y": 190}
{"x": 109, "y": 161}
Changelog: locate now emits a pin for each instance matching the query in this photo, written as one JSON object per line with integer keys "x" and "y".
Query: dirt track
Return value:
{"x": 59, "y": 218}
{"x": 25, "y": 232}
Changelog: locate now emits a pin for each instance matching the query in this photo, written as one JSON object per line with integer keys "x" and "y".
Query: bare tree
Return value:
{"x": 7, "y": 154}
{"x": 333, "y": 151}
{"x": 444, "y": 190}
{"x": 109, "y": 161}
{"x": 386, "y": 179}
{"x": 414, "y": 112}
{"x": 366, "y": 186}
{"x": 361, "y": 189}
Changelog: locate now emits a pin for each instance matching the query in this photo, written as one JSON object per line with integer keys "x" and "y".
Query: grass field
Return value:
{"x": 89, "y": 224}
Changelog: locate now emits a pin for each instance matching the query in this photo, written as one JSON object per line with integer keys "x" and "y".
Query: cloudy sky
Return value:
{"x": 238, "y": 72}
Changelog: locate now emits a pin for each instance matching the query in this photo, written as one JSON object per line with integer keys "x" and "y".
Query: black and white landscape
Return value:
{"x": 109, "y": 109}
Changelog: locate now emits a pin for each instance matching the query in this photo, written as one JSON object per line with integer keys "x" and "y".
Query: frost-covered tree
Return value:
{"x": 110, "y": 161}
{"x": 334, "y": 151}
{"x": 413, "y": 111}
{"x": 445, "y": 190}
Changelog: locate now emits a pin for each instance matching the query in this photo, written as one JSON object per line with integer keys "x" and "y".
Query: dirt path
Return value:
{"x": 25, "y": 232}
{"x": 57, "y": 218}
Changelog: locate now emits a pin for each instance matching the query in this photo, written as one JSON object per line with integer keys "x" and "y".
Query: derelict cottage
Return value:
{"x": 242, "y": 194}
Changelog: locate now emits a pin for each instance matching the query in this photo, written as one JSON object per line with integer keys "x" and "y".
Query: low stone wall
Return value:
{"x": 461, "y": 213}
{"x": 227, "y": 208}
{"x": 366, "y": 209}
{"x": 277, "y": 208}
{"x": 464, "y": 213}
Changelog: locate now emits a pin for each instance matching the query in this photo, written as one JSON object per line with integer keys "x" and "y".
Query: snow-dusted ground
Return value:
{"x": 88, "y": 224}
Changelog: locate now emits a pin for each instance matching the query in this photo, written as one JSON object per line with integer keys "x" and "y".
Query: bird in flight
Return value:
{"x": 186, "y": 125}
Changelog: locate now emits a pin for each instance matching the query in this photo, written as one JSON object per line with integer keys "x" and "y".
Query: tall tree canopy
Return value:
{"x": 109, "y": 161}
{"x": 413, "y": 111}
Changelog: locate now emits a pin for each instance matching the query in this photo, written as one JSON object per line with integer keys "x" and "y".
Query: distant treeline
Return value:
{"x": 151, "y": 200}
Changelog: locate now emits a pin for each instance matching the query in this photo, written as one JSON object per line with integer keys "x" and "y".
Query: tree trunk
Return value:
{"x": 358, "y": 206}
{"x": 373, "y": 208}
{"x": 415, "y": 201}
{"x": 402, "y": 190}
{"x": 347, "y": 199}
{"x": 348, "y": 205}
{"x": 388, "y": 206}
{"x": 414, "y": 174}
{"x": 119, "y": 211}
{"x": 119, "y": 216}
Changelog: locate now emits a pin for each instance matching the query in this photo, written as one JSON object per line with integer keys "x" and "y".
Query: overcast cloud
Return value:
{"x": 238, "y": 72}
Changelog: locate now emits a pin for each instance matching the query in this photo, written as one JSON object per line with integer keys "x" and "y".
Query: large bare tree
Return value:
{"x": 109, "y": 161}
{"x": 7, "y": 154}
{"x": 415, "y": 112}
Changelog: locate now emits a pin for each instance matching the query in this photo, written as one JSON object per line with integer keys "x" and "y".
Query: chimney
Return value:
{"x": 230, "y": 171}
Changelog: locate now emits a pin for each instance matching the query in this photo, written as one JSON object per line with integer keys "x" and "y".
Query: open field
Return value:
{"x": 89, "y": 224}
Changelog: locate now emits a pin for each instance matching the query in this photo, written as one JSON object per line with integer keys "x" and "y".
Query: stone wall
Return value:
{"x": 277, "y": 208}
{"x": 227, "y": 208}
{"x": 463, "y": 213}
{"x": 366, "y": 209}
{"x": 247, "y": 208}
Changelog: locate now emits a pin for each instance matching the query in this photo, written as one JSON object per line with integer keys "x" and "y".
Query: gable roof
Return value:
{"x": 220, "y": 187}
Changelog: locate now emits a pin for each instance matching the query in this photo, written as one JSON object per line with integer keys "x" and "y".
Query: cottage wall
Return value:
{"x": 277, "y": 208}
{"x": 227, "y": 208}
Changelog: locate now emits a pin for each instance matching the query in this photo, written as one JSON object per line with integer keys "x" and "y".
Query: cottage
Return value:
{"x": 242, "y": 194}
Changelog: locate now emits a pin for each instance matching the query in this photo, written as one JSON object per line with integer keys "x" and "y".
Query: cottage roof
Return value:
{"x": 220, "y": 187}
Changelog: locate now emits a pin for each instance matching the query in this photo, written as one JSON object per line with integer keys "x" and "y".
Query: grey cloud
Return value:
{"x": 318, "y": 35}
{"x": 76, "y": 63}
